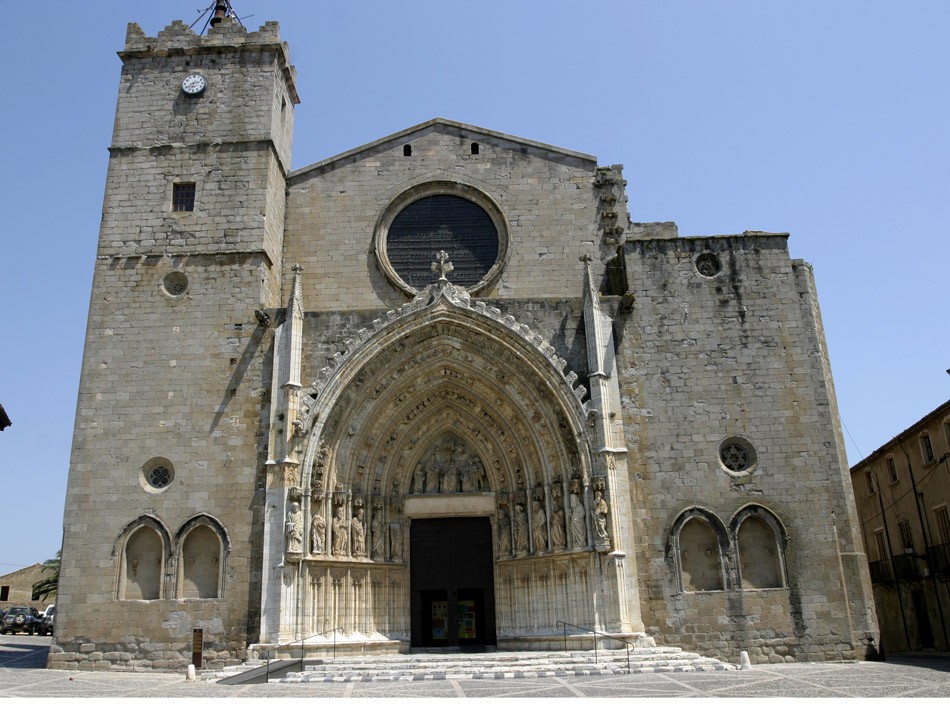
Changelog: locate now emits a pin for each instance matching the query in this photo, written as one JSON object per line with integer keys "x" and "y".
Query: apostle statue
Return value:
{"x": 358, "y": 533}
{"x": 293, "y": 529}
{"x": 341, "y": 537}
{"x": 539, "y": 529}
{"x": 318, "y": 533}
{"x": 578, "y": 525}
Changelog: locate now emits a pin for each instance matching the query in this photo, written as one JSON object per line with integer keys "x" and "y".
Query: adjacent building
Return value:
{"x": 16, "y": 588}
{"x": 902, "y": 492}
{"x": 437, "y": 390}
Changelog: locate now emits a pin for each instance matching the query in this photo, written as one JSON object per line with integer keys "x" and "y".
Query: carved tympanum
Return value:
{"x": 448, "y": 467}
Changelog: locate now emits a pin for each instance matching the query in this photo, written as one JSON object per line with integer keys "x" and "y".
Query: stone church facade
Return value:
{"x": 438, "y": 390}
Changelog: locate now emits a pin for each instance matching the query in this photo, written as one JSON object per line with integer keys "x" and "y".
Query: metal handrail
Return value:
{"x": 627, "y": 644}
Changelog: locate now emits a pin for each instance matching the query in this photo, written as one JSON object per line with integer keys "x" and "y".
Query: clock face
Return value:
{"x": 193, "y": 84}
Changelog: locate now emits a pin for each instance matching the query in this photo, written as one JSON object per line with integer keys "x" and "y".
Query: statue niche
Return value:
{"x": 448, "y": 467}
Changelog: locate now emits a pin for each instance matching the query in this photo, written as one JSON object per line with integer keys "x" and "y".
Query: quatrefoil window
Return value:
{"x": 157, "y": 474}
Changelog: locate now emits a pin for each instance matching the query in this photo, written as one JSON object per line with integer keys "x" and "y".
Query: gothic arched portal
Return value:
{"x": 445, "y": 411}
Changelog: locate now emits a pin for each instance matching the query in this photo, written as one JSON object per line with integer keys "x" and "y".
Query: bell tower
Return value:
{"x": 160, "y": 505}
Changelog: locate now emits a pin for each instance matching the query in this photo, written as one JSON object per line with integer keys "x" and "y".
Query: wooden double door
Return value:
{"x": 452, "y": 582}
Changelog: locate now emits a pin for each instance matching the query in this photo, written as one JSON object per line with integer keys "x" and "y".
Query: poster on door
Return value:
{"x": 440, "y": 615}
{"x": 466, "y": 610}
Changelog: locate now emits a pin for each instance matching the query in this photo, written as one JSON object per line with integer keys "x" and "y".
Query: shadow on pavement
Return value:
{"x": 24, "y": 651}
{"x": 935, "y": 661}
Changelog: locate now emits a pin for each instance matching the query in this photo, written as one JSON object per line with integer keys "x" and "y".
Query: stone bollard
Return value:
{"x": 744, "y": 663}
{"x": 190, "y": 676}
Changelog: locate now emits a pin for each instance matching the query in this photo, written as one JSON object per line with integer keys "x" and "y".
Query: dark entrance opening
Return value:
{"x": 452, "y": 582}
{"x": 922, "y": 615}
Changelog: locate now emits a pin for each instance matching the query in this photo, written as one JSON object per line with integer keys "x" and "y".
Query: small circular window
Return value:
{"x": 158, "y": 473}
{"x": 175, "y": 283}
{"x": 737, "y": 455}
{"x": 436, "y": 217}
{"x": 708, "y": 265}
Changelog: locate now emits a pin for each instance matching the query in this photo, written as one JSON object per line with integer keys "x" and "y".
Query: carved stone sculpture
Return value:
{"x": 600, "y": 515}
{"x": 395, "y": 539}
{"x": 293, "y": 529}
{"x": 419, "y": 479}
{"x": 341, "y": 544}
{"x": 432, "y": 477}
{"x": 504, "y": 533}
{"x": 578, "y": 525}
{"x": 558, "y": 540}
{"x": 377, "y": 530}
{"x": 539, "y": 528}
{"x": 450, "y": 483}
{"x": 318, "y": 534}
{"x": 358, "y": 534}
{"x": 521, "y": 529}
{"x": 466, "y": 482}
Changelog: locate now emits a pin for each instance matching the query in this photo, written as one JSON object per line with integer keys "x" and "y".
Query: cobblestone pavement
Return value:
{"x": 22, "y": 675}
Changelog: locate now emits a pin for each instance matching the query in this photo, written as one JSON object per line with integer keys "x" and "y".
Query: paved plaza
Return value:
{"x": 22, "y": 675}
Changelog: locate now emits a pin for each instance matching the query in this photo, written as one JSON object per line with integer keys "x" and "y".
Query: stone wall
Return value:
{"x": 737, "y": 354}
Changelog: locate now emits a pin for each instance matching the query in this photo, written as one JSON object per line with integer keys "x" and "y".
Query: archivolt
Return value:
{"x": 449, "y": 371}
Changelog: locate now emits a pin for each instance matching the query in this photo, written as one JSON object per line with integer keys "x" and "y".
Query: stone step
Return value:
{"x": 508, "y": 665}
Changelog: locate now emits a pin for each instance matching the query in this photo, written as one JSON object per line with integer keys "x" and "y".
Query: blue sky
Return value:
{"x": 825, "y": 119}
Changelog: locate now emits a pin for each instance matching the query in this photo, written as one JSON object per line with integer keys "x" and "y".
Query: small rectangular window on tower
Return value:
{"x": 907, "y": 536}
{"x": 183, "y": 197}
{"x": 892, "y": 470}
{"x": 943, "y": 524}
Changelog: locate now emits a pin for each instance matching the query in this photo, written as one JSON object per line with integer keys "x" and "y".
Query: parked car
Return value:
{"x": 49, "y": 618}
{"x": 25, "y": 619}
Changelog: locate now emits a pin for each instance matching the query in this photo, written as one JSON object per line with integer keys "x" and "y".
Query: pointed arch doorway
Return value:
{"x": 452, "y": 586}
{"x": 448, "y": 412}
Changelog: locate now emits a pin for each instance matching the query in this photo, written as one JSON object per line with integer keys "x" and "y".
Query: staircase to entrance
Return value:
{"x": 431, "y": 666}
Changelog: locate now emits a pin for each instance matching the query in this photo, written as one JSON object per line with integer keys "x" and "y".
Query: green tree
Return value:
{"x": 48, "y": 587}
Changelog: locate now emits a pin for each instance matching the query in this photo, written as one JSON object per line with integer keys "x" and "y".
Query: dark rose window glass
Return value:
{"x": 442, "y": 222}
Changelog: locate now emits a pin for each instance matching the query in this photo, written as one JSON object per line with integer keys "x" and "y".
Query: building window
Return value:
{"x": 869, "y": 479}
{"x": 474, "y": 148}
{"x": 907, "y": 536}
{"x": 175, "y": 283}
{"x": 157, "y": 474}
{"x": 407, "y": 150}
{"x": 943, "y": 524}
{"x": 892, "y": 470}
{"x": 183, "y": 197}
{"x": 442, "y": 222}
{"x": 5, "y": 593}
{"x": 881, "y": 544}
{"x": 708, "y": 265}
{"x": 737, "y": 455}
{"x": 926, "y": 448}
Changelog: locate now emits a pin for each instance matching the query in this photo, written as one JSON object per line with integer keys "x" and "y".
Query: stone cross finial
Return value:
{"x": 586, "y": 259}
{"x": 442, "y": 265}
{"x": 297, "y": 268}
